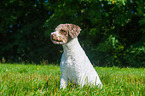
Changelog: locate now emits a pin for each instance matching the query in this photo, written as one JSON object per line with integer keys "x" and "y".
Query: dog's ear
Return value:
{"x": 74, "y": 30}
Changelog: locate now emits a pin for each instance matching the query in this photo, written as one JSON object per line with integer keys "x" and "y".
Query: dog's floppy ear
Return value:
{"x": 74, "y": 30}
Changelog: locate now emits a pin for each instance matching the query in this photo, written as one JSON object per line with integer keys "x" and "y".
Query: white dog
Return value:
{"x": 75, "y": 65}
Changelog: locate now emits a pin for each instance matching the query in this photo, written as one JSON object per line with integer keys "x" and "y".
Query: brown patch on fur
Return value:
{"x": 72, "y": 29}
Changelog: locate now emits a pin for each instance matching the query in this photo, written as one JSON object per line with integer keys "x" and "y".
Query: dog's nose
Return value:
{"x": 53, "y": 36}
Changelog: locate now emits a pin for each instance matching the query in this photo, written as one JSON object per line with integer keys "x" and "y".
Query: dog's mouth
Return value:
{"x": 57, "y": 40}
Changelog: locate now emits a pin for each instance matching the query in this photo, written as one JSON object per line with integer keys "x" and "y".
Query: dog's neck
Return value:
{"x": 71, "y": 46}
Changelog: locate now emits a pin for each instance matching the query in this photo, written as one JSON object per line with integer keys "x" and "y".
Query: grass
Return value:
{"x": 43, "y": 80}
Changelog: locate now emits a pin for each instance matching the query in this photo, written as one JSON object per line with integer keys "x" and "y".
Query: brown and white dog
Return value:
{"x": 75, "y": 65}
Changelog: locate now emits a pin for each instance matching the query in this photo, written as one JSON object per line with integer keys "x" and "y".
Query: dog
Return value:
{"x": 75, "y": 65}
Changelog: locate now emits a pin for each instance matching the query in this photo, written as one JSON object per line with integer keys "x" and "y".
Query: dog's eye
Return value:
{"x": 63, "y": 31}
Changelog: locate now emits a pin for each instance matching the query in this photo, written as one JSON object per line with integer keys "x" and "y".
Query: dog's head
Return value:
{"x": 64, "y": 33}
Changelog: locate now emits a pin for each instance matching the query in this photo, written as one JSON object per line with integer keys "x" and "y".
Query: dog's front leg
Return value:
{"x": 63, "y": 82}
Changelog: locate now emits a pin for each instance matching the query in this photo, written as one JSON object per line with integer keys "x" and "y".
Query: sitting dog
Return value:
{"x": 75, "y": 65}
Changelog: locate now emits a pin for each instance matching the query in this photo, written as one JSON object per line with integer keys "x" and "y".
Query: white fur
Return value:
{"x": 76, "y": 67}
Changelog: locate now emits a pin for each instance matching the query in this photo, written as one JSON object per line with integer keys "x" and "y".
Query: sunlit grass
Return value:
{"x": 29, "y": 80}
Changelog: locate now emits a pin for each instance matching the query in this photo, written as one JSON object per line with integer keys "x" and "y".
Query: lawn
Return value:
{"x": 43, "y": 80}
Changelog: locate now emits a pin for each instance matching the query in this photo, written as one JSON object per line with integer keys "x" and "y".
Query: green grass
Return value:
{"x": 43, "y": 80}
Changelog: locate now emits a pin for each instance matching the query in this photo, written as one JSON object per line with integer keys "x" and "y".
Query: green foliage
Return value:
{"x": 30, "y": 80}
{"x": 111, "y": 30}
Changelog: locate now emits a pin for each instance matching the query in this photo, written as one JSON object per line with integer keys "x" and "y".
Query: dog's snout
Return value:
{"x": 53, "y": 36}
{"x": 57, "y": 38}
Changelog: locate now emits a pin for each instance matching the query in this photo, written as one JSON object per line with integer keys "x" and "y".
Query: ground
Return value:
{"x": 29, "y": 80}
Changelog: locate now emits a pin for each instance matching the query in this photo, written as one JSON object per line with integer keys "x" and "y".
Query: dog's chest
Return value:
{"x": 71, "y": 63}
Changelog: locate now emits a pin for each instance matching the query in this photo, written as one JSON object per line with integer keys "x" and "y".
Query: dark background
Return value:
{"x": 113, "y": 31}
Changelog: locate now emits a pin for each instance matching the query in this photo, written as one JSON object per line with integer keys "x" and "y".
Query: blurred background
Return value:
{"x": 113, "y": 31}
